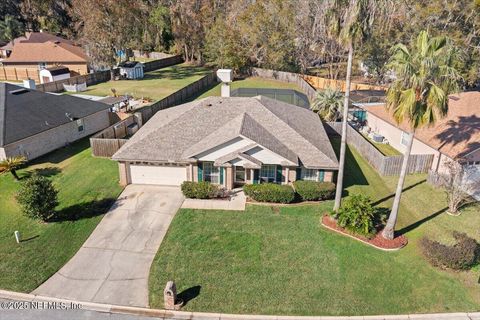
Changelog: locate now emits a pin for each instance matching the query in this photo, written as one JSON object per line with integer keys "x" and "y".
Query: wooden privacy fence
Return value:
{"x": 324, "y": 83}
{"x": 108, "y": 141}
{"x": 18, "y": 74}
{"x": 286, "y": 77}
{"x": 90, "y": 79}
{"x": 385, "y": 165}
{"x": 178, "y": 97}
{"x": 162, "y": 63}
{"x": 104, "y": 76}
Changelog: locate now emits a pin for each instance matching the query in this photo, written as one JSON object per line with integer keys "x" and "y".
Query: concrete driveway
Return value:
{"x": 113, "y": 264}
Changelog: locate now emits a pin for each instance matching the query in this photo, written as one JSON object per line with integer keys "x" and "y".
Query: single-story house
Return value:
{"x": 229, "y": 141}
{"x": 54, "y": 74}
{"x": 41, "y": 50}
{"x": 455, "y": 137}
{"x": 131, "y": 70}
{"x": 33, "y": 123}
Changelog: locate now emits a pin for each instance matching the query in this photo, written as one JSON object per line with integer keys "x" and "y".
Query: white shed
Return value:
{"x": 54, "y": 74}
{"x": 131, "y": 70}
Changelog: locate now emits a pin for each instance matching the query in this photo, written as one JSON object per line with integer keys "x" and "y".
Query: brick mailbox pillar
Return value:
{"x": 170, "y": 297}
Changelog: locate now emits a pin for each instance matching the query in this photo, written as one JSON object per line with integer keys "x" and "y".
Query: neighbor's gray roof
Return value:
{"x": 181, "y": 132}
{"x": 25, "y": 112}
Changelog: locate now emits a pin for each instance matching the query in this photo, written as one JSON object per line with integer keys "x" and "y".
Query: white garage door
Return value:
{"x": 161, "y": 175}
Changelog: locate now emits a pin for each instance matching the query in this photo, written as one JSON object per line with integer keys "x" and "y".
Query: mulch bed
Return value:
{"x": 377, "y": 241}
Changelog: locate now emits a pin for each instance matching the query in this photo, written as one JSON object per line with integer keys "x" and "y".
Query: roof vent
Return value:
{"x": 18, "y": 91}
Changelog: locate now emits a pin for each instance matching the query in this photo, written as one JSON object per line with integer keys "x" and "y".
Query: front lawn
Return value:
{"x": 87, "y": 186}
{"x": 155, "y": 85}
{"x": 282, "y": 261}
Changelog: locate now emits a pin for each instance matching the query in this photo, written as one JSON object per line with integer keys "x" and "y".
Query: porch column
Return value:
{"x": 122, "y": 168}
{"x": 195, "y": 172}
{"x": 229, "y": 178}
{"x": 287, "y": 175}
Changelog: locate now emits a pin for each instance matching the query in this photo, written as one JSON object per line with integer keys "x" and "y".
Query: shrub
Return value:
{"x": 357, "y": 215}
{"x": 37, "y": 197}
{"x": 314, "y": 191}
{"x": 200, "y": 190}
{"x": 462, "y": 255}
{"x": 270, "y": 192}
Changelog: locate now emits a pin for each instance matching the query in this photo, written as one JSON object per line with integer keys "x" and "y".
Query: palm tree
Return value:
{"x": 419, "y": 96}
{"x": 11, "y": 165}
{"x": 328, "y": 104}
{"x": 10, "y": 28}
{"x": 351, "y": 22}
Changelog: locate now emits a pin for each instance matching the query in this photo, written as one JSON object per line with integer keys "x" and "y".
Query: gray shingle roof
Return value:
{"x": 25, "y": 112}
{"x": 178, "y": 133}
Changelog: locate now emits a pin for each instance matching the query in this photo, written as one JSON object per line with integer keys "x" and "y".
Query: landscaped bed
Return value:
{"x": 376, "y": 240}
{"x": 87, "y": 186}
{"x": 280, "y": 260}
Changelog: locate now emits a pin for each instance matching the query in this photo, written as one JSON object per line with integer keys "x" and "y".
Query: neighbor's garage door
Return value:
{"x": 161, "y": 175}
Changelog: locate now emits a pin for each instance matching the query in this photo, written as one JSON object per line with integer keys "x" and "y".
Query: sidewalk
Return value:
{"x": 236, "y": 203}
{"x": 170, "y": 315}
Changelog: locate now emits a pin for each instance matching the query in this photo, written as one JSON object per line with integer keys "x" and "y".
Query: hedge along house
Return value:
{"x": 230, "y": 142}
{"x": 33, "y": 123}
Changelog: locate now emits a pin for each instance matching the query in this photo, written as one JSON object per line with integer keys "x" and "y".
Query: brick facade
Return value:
{"x": 49, "y": 140}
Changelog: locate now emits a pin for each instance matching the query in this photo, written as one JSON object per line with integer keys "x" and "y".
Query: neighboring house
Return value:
{"x": 33, "y": 123}
{"x": 42, "y": 50}
{"x": 131, "y": 70}
{"x": 455, "y": 137}
{"x": 230, "y": 142}
{"x": 54, "y": 74}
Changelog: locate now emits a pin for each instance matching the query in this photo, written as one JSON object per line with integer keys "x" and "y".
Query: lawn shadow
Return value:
{"x": 83, "y": 210}
{"x": 189, "y": 294}
{"x": 63, "y": 153}
{"x": 420, "y": 222}
{"x": 45, "y": 172}
{"x": 175, "y": 72}
{"x": 30, "y": 238}
{"x": 391, "y": 196}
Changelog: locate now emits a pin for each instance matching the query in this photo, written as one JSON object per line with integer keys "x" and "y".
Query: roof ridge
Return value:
{"x": 259, "y": 98}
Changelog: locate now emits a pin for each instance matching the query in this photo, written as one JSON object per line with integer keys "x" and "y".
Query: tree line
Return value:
{"x": 289, "y": 35}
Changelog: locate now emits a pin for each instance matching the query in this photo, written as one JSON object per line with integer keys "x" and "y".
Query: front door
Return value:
{"x": 239, "y": 175}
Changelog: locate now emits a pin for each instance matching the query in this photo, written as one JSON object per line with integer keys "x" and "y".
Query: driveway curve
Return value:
{"x": 113, "y": 265}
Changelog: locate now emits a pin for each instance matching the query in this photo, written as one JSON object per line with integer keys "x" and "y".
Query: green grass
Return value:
{"x": 253, "y": 82}
{"x": 268, "y": 262}
{"x": 385, "y": 149}
{"x": 155, "y": 85}
{"x": 87, "y": 186}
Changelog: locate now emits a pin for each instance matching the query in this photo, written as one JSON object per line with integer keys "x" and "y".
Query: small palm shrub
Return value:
{"x": 199, "y": 190}
{"x": 357, "y": 215}
{"x": 314, "y": 191}
{"x": 461, "y": 256}
{"x": 270, "y": 192}
{"x": 37, "y": 197}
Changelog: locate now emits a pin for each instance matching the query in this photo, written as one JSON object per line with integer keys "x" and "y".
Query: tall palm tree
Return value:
{"x": 419, "y": 96}
{"x": 351, "y": 22}
{"x": 11, "y": 165}
{"x": 328, "y": 104}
